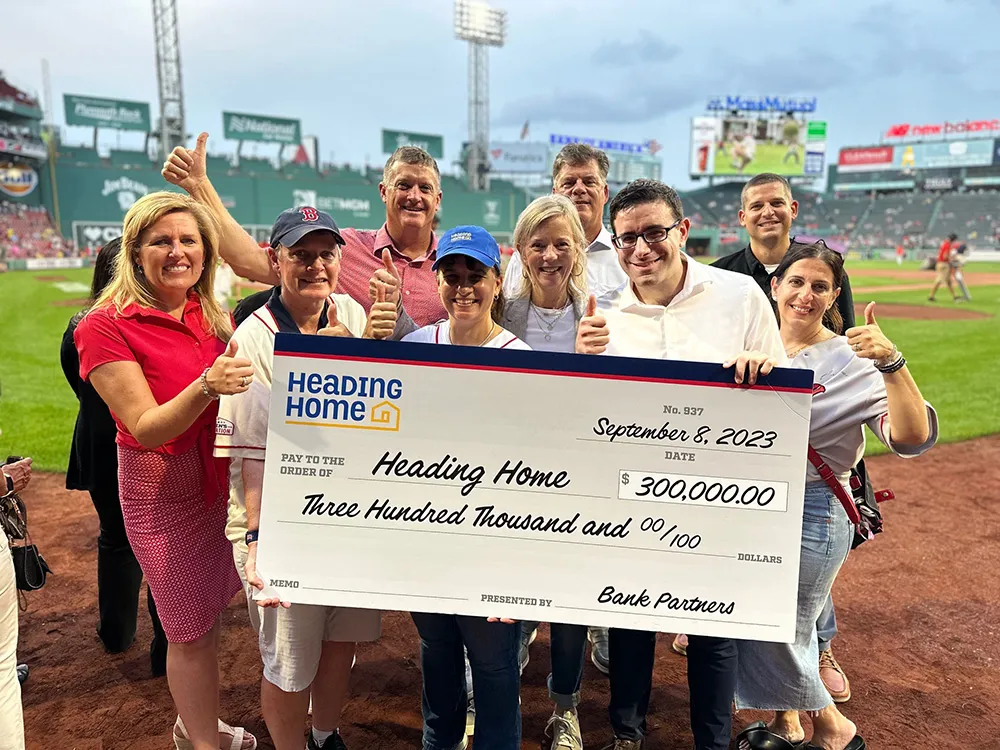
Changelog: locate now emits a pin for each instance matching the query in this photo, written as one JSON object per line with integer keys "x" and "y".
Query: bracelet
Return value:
{"x": 204, "y": 385}
{"x": 898, "y": 364}
{"x": 888, "y": 359}
{"x": 251, "y": 536}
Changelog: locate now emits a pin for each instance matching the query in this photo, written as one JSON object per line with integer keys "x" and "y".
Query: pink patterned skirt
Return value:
{"x": 179, "y": 539}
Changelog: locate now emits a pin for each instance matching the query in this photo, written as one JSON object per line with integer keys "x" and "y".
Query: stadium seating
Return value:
{"x": 894, "y": 218}
{"x": 973, "y": 217}
{"x": 27, "y": 232}
{"x": 79, "y": 155}
{"x": 843, "y": 214}
{"x": 260, "y": 167}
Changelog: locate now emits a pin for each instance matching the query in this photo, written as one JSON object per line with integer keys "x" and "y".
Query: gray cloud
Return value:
{"x": 646, "y": 50}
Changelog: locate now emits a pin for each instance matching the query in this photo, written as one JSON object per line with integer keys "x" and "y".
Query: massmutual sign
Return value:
{"x": 762, "y": 103}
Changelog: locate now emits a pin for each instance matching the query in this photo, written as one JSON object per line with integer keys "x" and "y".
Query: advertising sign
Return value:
{"x": 748, "y": 144}
{"x": 519, "y": 156}
{"x": 17, "y": 182}
{"x": 650, "y": 146}
{"x": 943, "y": 155}
{"x": 241, "y": 127}
{"x": 393, "y": 139}
{"x": 945, "y": 130}
{"x": 869, "y": 159}
{"x": 95, "y": 233}
{"x": 762, "y": 103}
{"x": 92, "y": 112}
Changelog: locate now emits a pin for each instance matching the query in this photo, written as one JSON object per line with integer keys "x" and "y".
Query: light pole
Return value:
{"x": 482, "y": 27}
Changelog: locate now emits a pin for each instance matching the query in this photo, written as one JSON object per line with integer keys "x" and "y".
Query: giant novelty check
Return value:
{"x": 608, "y": 491}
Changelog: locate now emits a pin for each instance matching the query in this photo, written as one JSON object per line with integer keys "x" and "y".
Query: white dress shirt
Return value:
{"x": 715, "y": 316}
{"x": 604, "y": 272}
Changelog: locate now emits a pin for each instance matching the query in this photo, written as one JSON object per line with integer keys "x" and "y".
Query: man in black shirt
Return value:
{"x": 767, "y": 210}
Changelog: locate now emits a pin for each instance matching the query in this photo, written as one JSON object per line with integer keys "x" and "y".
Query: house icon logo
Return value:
{"x": 385, "y": 416}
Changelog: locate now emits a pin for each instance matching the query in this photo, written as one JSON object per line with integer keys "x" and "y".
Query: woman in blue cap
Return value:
{"x": 471, "y": 289}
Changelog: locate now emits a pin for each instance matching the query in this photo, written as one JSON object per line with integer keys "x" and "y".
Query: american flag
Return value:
{"x": 524, "y": 130}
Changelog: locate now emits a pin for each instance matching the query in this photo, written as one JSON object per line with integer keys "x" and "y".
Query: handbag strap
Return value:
{"x": 826, "y": 473}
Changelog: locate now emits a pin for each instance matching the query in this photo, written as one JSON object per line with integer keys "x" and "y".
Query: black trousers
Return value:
{"x": 119, "y": 579}
{"x": 711, "y": 681}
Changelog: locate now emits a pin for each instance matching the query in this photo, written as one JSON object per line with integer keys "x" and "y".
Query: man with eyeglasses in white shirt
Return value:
{"x": 674, "y": 307}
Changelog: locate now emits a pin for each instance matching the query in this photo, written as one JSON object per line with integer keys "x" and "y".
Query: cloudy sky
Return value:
{"x": 627, "y": 70}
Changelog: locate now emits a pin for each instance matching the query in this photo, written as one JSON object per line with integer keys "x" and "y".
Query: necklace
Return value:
{"x": 803, "y": 347}
{"x": 493, "y": 327}
{"x": 544, "y": 325}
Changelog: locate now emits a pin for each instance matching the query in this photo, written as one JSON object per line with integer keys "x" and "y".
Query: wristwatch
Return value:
{"x": 252, "y": 535}
{"x": 10, "y": 482}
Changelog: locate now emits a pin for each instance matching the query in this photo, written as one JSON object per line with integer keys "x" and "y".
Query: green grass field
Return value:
{"x": 769, "y": 157}
{"x": 954, "y": 361}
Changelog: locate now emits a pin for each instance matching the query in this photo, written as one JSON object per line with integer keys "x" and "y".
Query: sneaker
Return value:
{"x": 526, "y": 640}
{"x": 470, "y": 717}
{"x": 22, "y": 673}
{"x": 619, "y": 744}
{"x": 680, "y": 644}
{"x": 333, "y": 742}
{"x": 564, "y": 729}
{"x": 836, "y": 682}
{"x": 598, "y": 638}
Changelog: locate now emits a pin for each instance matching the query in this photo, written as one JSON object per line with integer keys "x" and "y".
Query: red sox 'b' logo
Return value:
{"x": 308, "y": 213}
{"x": 818, "y": 388}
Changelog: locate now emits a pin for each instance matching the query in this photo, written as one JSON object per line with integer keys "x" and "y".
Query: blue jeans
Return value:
{"x": 784, "y": 676}
{"x": 493, "y": 649}
{"x": 826, "y": 625}
{"x": 569, "y": 646}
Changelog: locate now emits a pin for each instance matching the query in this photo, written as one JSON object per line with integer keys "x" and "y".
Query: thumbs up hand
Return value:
{"x": 185, "y": 167}
{"x": 387, "y": 276}
{"x": 868, "y": 341}
{"x": 333, "y": 325}
{"x": 229, "y": 374}
{"x": 592, "y": 336}
{"x": 382, "y": 317}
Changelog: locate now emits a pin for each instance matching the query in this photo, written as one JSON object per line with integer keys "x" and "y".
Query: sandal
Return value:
{"x": 758, "y": 737}
{"x": 858, "y": 743}
{"x": 239, "y": 735}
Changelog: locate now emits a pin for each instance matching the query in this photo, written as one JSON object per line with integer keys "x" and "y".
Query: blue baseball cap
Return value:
{"x": 295, "y": 223}
{"x": 472, "y": 242}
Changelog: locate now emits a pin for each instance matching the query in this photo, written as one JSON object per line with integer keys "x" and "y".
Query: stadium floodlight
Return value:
{"x": 477, "y": 22}
{"x": 482, "y": 27}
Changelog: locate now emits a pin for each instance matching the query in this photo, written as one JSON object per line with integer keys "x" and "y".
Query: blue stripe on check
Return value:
{"x": 533, "y": 361}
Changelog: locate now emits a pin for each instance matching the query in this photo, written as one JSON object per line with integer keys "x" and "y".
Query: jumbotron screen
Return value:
{"x": 748, "y": 144}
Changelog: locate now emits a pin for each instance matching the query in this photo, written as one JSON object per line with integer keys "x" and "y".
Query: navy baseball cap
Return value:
{"x": 472, "y": 242}
{"x": 295, "y": 223}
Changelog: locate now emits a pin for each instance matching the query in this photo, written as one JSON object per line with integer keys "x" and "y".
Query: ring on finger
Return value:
{"x": 244, "y": 381}
{"x": 857, "y": 347}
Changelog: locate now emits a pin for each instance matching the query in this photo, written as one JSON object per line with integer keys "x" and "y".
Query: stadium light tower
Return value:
{"x": 482, "y": 27}
{"x": 168, "y": 75}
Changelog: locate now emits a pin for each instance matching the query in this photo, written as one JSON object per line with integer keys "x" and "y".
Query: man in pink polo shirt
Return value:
{"x": 411, "y": 191}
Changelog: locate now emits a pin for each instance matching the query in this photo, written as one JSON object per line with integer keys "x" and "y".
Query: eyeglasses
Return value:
{"x": 651, "y": 236}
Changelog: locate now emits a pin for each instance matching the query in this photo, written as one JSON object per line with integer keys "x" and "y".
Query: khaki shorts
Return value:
{"x": 240, "y": 559}
{"x": 291, "y": 640}
{"x": 943, "y": 271}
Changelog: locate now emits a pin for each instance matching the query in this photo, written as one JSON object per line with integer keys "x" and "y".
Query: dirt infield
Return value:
{"x": 918, "y": 611}
{"x": 918, "y": 312}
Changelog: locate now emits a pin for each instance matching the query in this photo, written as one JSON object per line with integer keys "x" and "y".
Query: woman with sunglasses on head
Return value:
{"x": 860, "y": 379}
{"x": 470, "y": 286}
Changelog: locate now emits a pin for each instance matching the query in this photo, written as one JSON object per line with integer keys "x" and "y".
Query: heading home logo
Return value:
{"x": 357, "y": 402}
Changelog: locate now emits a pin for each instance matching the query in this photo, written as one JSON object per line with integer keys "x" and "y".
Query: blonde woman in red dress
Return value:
{"x": 156, "y": 348}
